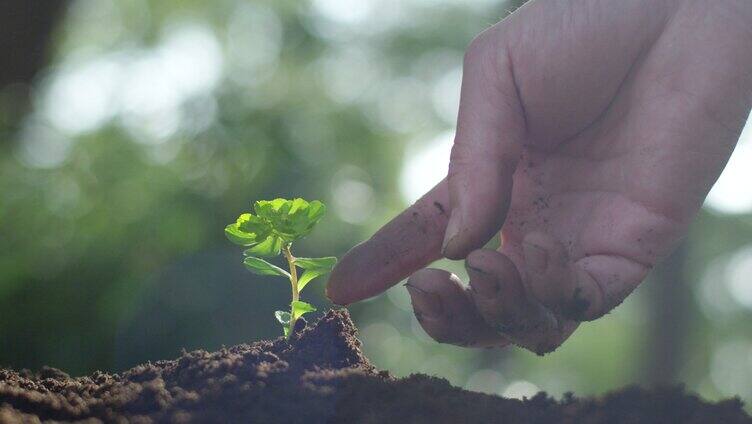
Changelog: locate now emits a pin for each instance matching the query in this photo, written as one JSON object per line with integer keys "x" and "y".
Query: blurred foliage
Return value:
{"x": 157, "y": 121}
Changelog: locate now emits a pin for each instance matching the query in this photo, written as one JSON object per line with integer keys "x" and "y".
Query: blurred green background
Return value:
{"x": 132, "y": 131}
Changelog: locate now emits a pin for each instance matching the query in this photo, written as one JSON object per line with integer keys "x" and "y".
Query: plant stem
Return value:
{"x": 294, "y": 282}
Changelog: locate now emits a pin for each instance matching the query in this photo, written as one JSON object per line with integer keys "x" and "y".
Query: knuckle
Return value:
{"x": 546, "y": 343}
{"x": 580, "y": 306}
{"x": 461, "y": 153}
{"x": 543, "y": 348}
{"x": 483, "y": 259}
{"x": 480, "y": 46}
{"x": 473, "y": 51}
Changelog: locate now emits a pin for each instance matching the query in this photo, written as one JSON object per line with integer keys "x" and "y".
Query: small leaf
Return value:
{"x": 316, "y": 263}
{"x": 268, "y": 248}
{"x": 248, "y": 230}
{"x": 239, "y": 237}
{"x": 316, "y": 211}
{"x": 252, "y": 224}
{"x": 300, "y": 308}
{"x": 314, "y": 267}
{"x": 308, "y": 276}
{"x": 283, "y": 317}
{"x": 290, "y": 219}
{"x": 262, "y": 267}
{"x": 296, "y": 205}
{"x": 270, "y": 209}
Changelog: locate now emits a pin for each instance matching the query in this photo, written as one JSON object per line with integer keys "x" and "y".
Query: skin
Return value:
{"x": 589, "y": 134}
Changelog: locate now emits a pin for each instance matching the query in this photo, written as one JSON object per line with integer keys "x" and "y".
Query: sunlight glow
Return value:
{"x": 521, "y": 389}
{"x": 446, "y": 95}
{"x": 485, "y": 381}
{"x": 80, "y": 98}
{"x": 425, "y": 165}
{"x": 737, "y": 279}
{"x": 146, "y": 88}
{"x": 727, "y": 368}
{"x": 42, "y": 146}
{"x": 344, "y": 11}
{"x": 731, "y": 193}
{"x": 254, "y": 42}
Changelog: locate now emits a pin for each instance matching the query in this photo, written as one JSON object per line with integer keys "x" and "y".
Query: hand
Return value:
{"x": 589, "y": 132}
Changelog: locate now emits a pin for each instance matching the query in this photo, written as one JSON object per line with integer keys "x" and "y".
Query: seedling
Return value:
{"x": 271, "y": 232}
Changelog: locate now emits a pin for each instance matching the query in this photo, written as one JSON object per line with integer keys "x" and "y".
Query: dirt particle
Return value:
{"x": 540, "y": 203}
{"x": 440, "y": 207}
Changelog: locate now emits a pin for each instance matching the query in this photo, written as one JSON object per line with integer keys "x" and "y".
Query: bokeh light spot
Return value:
{"x": 731, "y": 193}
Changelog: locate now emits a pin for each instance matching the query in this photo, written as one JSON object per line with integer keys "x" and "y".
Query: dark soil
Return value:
{"x": 321, "y": 376}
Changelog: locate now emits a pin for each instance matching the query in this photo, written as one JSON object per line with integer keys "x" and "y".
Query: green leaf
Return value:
{"x": 283, "y": 317}
{"x": 300, "y": 308}
{"x": 316, "y": 263}
{"x": 314, "y": 267}
{"x": 262, "y": 267}
{"x": 248, "y": 230}
{"x": 297, "y": 204}
{"x": 239, "y": 237}
{"x": 316, "y": 211}
{"x": 308, "y": 276}
{"x": 252, "y": 224}
{"x": 271, "y": 209}
{"x": 290, "y": 219}
{"x": 268, "y": 248}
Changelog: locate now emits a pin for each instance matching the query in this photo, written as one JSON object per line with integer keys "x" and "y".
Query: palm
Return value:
{"x": 621, "y": 151}
{"x": 610, "y": 194}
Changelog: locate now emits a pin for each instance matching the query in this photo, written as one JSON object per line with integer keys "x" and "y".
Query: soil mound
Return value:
{"x": 320, "y": 376}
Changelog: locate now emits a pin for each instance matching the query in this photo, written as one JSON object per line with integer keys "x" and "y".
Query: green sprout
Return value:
{"x": 271, "y": 231}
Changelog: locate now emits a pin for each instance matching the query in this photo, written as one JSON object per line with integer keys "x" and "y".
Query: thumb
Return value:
{"x": 487, "y": 146}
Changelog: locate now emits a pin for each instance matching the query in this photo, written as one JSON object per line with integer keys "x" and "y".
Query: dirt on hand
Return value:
{"x": 319, "y": 376}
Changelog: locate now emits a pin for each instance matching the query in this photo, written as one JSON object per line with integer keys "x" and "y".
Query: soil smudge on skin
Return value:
{"x": 320, "y": 376}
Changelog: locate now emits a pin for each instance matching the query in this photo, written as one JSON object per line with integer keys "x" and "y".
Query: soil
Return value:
{"x": 320, "y": 376}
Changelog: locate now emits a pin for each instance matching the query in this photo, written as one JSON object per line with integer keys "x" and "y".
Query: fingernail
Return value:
{"x": 452, "y": 230}
{"x": 536, "y": 257}
{"x": 425, "y": 303}
{"x": 586, "y": 298}
{"x": 328, "y": 294}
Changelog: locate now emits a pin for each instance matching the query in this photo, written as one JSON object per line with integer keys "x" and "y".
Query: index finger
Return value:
{"x": 406, "y": 244}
